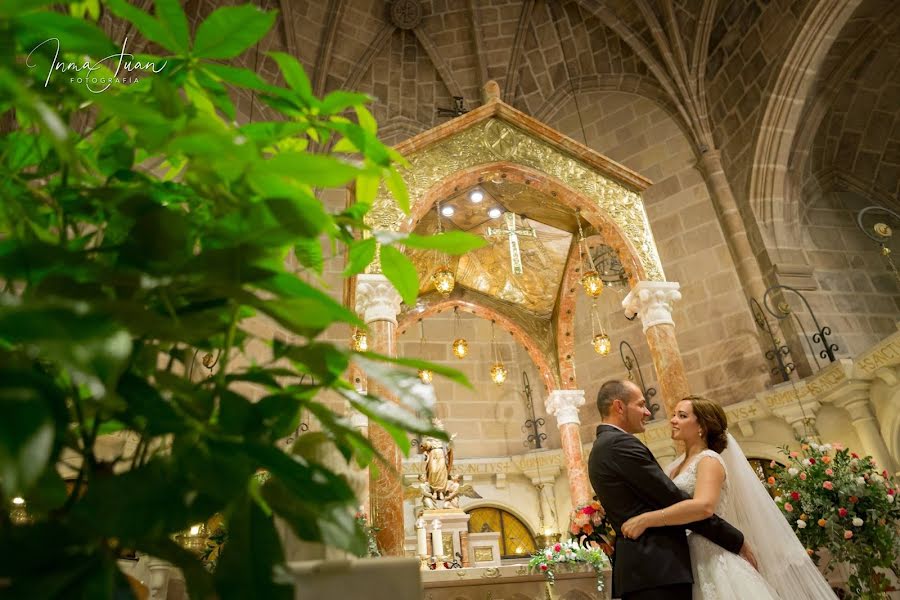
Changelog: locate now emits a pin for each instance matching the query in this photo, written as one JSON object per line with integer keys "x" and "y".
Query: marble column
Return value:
{"x": 652, "y": 301}
{"x": 866, "y": 427}
{"x": 378, "y": 303}
{"x": 563, "y": 406}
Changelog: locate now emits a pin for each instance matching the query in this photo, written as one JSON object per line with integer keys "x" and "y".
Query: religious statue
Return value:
{"x": 438, "y": 487}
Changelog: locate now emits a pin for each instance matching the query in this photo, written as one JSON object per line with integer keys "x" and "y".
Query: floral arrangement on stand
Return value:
{"x": 567, "y": 556}
{"x": 839, "y": 502}
{"x": 589, "y": 526}
{"x": 362, "y": 519}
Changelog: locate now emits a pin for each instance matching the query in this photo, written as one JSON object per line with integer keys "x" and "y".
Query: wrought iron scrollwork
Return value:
{"x": 779, "y": 351}
{"x": 532, "y": 426}
{"x": 632, "y": 365}
{"x": 783, "y": 311}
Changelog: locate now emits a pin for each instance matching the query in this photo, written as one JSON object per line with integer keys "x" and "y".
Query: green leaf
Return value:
{"x": 325, "y": 362}
{"x": 309, "y": 254}
{"x": 332, "y": 524}
{"x": 230, "y": 30}
{"x": 366, "y": 120}
{"x": 310, "y": 169}
{"x": 172, "y": 19}
{"x": 250, "y": 556}
{"x": 416, "y": 364}
{"x": 397, "y": 267}
{"x": 404, "y": 384}
{"x": 26, "y": 434}
{"x": 149, "y": 27}
{"x": 359, "y": 256}
{"x": 340, "y": 100}
{"x": 76, "y": 36}
{"x": 398, "y": 189}
{"x": 10, "y": 8}
{"x": 199, "y": 580}
{"x": 116, "y": 153}
{"x": 236, "y": 76}
{"x": 90, "y": 346}
{"x": 455, "y": 243}
{"x": 295, "y": 76}
{"x": 367, "y": 188}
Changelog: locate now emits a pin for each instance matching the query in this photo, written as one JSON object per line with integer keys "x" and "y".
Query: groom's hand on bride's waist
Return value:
{"x": 747, "y": 554}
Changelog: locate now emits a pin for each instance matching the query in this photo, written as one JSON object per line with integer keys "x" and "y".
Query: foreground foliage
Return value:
{"x": 140, "y": 228}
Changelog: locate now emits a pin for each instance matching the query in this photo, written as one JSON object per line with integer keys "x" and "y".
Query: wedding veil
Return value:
{"x": 782, "y": 560}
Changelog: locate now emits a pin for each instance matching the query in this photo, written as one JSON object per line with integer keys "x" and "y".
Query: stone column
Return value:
{"x": 378, "y": 303}
{"x": 563, "y": 406}
{"x": 866, "y": 427}
{"x": 745, "y": 261}
{"x": 359, "y": 478}
{"x": 652, "y": 300}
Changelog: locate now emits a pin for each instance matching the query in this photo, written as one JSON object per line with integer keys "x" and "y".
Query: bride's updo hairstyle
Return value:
{"x": 712, "y": 421}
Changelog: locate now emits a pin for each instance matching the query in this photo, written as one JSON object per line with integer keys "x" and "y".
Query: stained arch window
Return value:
{"x": 515, "y": 539}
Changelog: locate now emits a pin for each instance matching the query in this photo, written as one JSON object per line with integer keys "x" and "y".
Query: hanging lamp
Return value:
{"x": 460, "y": 345}
{"x": 600, "y": 340}
{"x": 498, "y": 369}
{"x": 425, "y": 375}
{"x": 443, "y": 279}
{"x": 590, "y": 280}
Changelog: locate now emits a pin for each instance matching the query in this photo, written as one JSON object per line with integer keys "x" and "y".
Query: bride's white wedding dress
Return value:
{"x": 785, "y": 570}
{"x": 719, "y": 574}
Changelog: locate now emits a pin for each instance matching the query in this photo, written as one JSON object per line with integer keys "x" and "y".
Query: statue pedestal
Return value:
{"x": 454, "y": 527}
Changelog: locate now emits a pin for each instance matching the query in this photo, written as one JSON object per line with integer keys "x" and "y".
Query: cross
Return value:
{"x": 510, "y": 231}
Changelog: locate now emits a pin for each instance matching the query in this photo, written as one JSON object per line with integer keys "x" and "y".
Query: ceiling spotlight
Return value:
{"x": 447, "y": 211}
{"x": 476, "y": 196}
{"x": 494, "y": 213}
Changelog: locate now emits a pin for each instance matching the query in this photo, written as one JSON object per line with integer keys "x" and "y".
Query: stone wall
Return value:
{"x": 486, "y": 420}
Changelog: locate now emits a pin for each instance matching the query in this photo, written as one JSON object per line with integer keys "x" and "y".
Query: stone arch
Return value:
{"x": 551, "y": 186}
{"x": 625, "y": 83}
{"x": 565, "y": 321}
{"x": 769, "y": 186}
{"x": 439, "y": 304}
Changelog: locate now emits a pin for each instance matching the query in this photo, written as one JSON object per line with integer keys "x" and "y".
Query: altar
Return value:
{"x": 513, "y": 582}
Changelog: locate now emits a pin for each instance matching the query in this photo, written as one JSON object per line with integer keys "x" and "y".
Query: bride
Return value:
{"x": 715, "y": 472}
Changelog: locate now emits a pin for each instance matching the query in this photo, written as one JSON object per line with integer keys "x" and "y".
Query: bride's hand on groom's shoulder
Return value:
{"x": 634, "y": 527}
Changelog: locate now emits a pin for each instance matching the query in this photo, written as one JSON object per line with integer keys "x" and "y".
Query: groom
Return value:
{"x": 628, "y": 481}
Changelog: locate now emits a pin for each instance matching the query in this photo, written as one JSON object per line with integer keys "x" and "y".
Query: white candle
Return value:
{"x": 437, "y": 542}
{"x": 421, "y": 539}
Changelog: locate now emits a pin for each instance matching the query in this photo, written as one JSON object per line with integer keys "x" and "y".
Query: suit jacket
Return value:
{"x": 628, "y": 482}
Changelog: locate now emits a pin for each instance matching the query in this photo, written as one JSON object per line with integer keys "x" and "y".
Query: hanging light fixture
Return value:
{"x": 460, "y": 345}
{"x": 590, "y": 280}
{"x": 443, "y": 279}
{"x": 600, "y": 341}
{"x": 498, "y": 369}
{"x": 426, "y": 375}
{"x": 360, "y": 341}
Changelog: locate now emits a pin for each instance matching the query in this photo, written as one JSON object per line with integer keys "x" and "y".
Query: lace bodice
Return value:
{"x": 687, "y": 479}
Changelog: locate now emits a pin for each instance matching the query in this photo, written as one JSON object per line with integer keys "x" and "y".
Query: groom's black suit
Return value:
{"x": 628, "y": 482}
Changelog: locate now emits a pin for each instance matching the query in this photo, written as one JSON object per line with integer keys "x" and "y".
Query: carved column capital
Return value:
{"x": 859, "y": 408}
{"x": 564, "y": 404}
{"x": 652, "y": 300}
{"x": 797, "y": 416}
{"x": 376, "y": 298}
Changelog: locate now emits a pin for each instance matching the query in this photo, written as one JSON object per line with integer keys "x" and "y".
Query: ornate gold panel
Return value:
{"x": 495, "y": 140}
